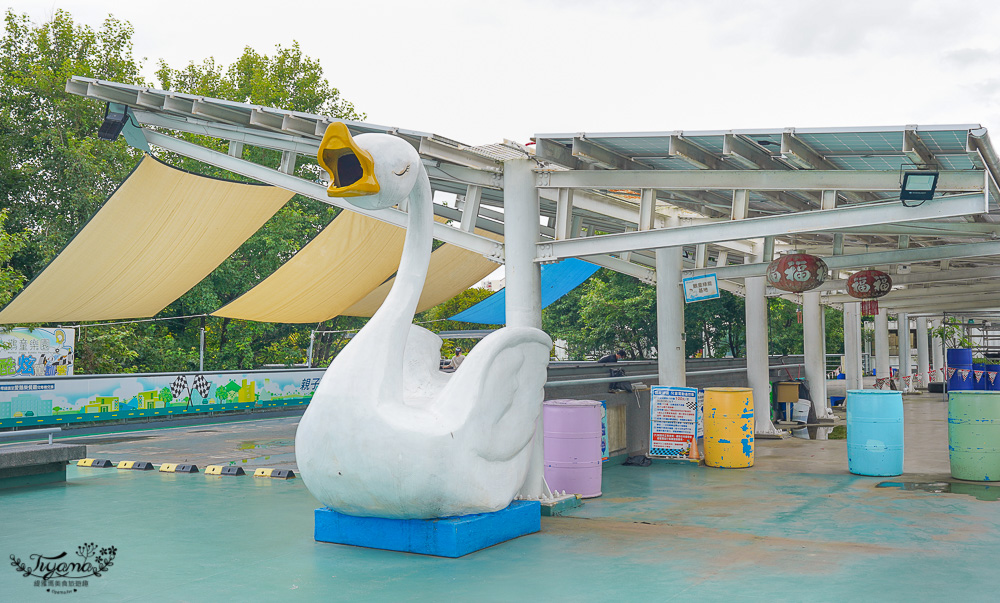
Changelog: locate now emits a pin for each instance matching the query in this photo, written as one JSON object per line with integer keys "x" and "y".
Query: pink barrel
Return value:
{"x": 572, "y": 440}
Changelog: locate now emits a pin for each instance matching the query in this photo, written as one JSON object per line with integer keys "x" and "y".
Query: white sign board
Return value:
{"x": 674, "y": 420}
{"x": 700, "y": 288}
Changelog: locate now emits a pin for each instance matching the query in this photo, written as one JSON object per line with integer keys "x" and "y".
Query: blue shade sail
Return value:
{"x": 557, "y": 280}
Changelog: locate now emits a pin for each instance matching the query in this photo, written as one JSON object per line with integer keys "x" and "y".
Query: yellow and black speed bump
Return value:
{"x": 136, "y": 465}
{"x": 227, "y": 470}
{"x": 275, "y": 473}
{"x": 178, "y": 468}
{"x": 94, "y": 463}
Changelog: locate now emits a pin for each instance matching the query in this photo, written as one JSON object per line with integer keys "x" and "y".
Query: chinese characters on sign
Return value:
{"x": 36, "y": 352}
{"x": 674, "y": 420}
{"x": 700, "y": 288}
{"x": 796, "y": 272}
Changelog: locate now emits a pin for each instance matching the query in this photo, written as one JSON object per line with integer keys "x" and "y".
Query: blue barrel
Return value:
{"x": 874, "y": 432}
{"x": 962, "y": 378}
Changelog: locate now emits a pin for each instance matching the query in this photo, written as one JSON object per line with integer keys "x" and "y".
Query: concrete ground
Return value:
{"x": 794, "y": 527}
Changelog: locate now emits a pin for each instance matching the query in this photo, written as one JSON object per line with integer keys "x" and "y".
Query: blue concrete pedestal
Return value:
{"x": 444, "y": 537}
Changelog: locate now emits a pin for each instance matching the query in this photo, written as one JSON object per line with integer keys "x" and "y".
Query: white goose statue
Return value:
{"x": 386, "y": 433}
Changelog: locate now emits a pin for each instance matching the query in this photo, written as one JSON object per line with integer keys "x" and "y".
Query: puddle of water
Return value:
{"x": 812, "y": 432}
{"x": 978, "y": 491}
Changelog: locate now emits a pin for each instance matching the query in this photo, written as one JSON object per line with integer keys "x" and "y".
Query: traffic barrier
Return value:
{"x": 136, "y": 465}
{"x": 94, "y": 463}
{"x": 178, "y": 468}
{"x": 275, "y": 473}
{"x": 224, "y": 470}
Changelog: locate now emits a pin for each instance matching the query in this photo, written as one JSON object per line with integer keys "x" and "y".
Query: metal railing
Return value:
{"x": 632, "y": 378}
{"x": 28, "y": 433}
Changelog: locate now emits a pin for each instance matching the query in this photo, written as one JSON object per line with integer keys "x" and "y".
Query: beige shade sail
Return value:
{"x": 451, "y": 271}
{"x": 349, "y": 259}
{"x": 157, "y": 236}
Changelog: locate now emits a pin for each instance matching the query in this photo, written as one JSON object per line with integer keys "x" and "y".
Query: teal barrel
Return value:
{"x": 974, "y": 435}
{"x": 874, "y": 432}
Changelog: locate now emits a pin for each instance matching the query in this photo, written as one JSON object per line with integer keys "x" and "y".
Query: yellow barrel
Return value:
{"x": 728, "y": 427}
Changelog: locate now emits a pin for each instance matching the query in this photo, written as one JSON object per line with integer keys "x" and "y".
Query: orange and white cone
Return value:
{"x": 693, "y": 453}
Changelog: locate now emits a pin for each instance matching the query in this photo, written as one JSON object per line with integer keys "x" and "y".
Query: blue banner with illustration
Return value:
{"x": 58, "y": 400}
{"x": 26, "y": 352}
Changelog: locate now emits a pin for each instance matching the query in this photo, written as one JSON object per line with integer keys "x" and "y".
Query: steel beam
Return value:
{"x": 922, "y": 302}
{"x": 598, "y": 154}
{"x": 876, "y": 258}
{"x": 939, "y": 276}
{"x": 756, "y": 180}
{"x": 920, "y": 292}
{"x": 749, "y": 154}
{"x": 466, "y": 240}
{"x": 813, "y": 221}
{"x": 553, "y": 152}
{"x": 470, "y": 212}
{"x": 693, "y": 154}
{"x": 927, "y": 229}
{"x": 439, "y": 150}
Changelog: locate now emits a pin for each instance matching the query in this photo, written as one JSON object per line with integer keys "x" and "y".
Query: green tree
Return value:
{"x": 10, "y": 243}
{"x": 609, "y": 311}
{"x": 54, "y": 172}
{"x": 720, "y": 323}
{"x": 436, "y": 319}
{"x": 288, "y": 80}
{"x": 166, "y": 395}
{"x": 106, "y": 349}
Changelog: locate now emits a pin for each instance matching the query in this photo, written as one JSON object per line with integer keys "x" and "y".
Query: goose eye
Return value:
{"x": 403, "y": 171}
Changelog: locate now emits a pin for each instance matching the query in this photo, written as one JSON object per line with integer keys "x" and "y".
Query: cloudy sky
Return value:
{"x": 481, "y": 71}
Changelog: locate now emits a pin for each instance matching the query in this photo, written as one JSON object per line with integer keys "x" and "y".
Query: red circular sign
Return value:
{"x": 796, "y": 272}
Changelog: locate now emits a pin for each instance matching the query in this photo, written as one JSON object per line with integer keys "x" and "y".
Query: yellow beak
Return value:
{"x": 351, "y": 168}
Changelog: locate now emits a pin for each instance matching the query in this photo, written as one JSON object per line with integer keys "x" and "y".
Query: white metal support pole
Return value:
{"x": 903, "y": 336}
{"x": 852, "y": 345}
{"x": 312, "y": 343}
{"x": 815, "y": 350}
{"x": 881, "y": 344}
{"x": 670, "y": 317}
{"x": 923, "y": 366}
{"x": 758, "y": 375}
{"x": 521, "y": 231}
{"x": 201, "y": 351}
{"x": 524, "y": 281}
{"x": 937, "y": 351}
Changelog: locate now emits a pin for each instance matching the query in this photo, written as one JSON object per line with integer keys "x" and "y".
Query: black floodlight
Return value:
{"x": 115, "y": 116}
{"x": 918, "y": 186}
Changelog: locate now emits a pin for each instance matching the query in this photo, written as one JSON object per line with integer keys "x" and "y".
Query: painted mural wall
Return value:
{"x": 74, "y": 399}
{"x": 36, "y": 352}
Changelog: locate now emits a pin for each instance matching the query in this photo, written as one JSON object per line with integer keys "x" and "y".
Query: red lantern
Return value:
{"x": 868, "y": 285}
{"x": 796, "y": 272}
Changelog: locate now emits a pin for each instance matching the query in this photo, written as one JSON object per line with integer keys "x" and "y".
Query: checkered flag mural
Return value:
{"x": 202, "y": 385}
{"x": 179, "y": 385}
